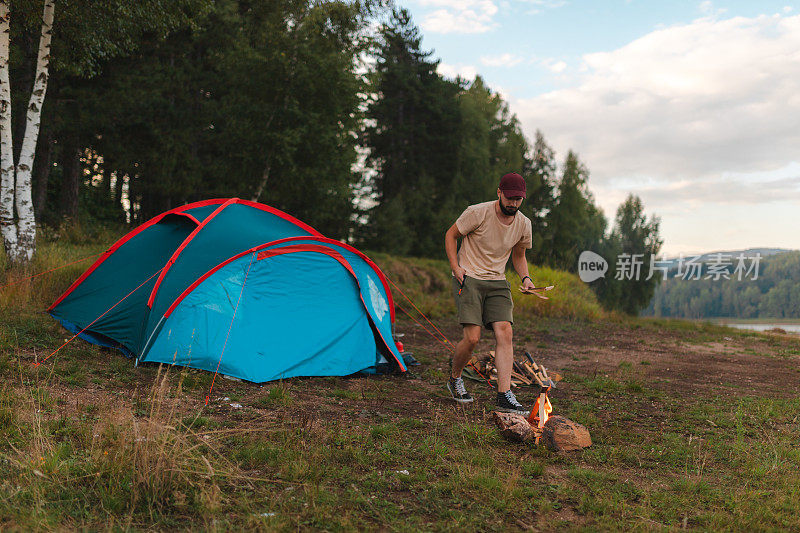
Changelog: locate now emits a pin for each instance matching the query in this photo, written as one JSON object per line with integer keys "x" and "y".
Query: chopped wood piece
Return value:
{"x": 521, "y": 378}
{"x": 513, "y": 427}
{"x": 528, "y": 369}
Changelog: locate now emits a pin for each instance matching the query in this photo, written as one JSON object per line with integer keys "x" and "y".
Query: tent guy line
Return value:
{"x": 216, "y": 371}
{"x": 446, "y": 342}
{"x": 98, "y": 318}
{"x": 49, "y": 271}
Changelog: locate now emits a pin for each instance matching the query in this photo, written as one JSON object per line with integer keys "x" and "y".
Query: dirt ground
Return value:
{"x": 697, "y": 364}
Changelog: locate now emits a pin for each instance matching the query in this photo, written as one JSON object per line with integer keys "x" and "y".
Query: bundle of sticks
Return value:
{"x": 523, "y": 372}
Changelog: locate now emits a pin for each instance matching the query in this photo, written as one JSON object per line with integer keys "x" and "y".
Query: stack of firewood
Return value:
{"x": 524, "y": 372}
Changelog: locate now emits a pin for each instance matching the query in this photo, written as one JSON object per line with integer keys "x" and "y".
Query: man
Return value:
{"x": 490, "y": 231}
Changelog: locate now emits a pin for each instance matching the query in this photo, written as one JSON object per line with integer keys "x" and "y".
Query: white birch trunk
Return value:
{"x": 26, "y": 232}
{"x": 262, "y": 184}
{"x": 7, "y": 227}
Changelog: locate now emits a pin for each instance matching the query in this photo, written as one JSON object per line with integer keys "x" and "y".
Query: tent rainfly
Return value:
{"x": 239, "y": 288}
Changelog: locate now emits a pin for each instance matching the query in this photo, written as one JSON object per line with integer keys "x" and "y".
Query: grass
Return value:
{"x": 66, "y": 471}
{"x": 89, "y": 442}
{"x": 428, "y": 283}
{"x": 449, "y": 469}
{"x": 277, "y": 396}
{"x": 697, "y": 330}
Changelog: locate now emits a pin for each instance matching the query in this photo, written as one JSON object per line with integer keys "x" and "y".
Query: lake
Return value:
{"x": 761, "y": 326}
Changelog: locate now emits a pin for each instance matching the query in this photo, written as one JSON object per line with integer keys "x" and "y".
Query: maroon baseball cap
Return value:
{"x": 512, "y": 185}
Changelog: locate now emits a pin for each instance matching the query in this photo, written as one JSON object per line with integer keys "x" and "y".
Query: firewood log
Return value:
{"x": 529, "y": 371}
{"x": 521, "y": 378}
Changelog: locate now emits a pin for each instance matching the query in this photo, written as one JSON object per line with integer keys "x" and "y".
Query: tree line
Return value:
{"x": 331, "y": 111}
{"x": 770, "y": 291}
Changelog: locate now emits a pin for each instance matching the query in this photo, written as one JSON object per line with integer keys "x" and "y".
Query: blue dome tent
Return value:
{"x": 236, "y": 287}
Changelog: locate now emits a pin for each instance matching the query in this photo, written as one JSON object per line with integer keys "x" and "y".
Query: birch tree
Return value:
{"x": 16, "y": 206}
{"x": 87, "y": 36}
{"x": 7, "y": 226}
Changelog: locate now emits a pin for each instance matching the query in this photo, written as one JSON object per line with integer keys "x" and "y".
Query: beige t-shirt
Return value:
{"x": 488, "y": 242}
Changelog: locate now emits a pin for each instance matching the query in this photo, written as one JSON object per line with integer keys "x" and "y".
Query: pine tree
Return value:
{"x": 574, "y": 223}
{"x": 634, "y": 235}
{"x": 541, "y": 180}
{"x": 413, "y": 144}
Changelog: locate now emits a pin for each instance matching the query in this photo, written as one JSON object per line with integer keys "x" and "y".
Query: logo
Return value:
{"x": 591, "y": 266}
{"x": 378, "y": 301}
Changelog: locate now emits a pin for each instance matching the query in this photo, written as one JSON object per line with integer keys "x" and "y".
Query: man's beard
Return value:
{"x": 508, "y": 211}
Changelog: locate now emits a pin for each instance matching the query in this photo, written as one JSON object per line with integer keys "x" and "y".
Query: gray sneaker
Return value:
{"x": 458, "y": 391}
{"x": 507, "y": 403}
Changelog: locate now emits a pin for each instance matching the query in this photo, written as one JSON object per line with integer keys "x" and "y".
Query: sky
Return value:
{"x": 694, "y": 106}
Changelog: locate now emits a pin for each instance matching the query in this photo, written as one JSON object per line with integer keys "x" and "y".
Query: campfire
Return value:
{"x": 525, "y": 372}
{"x": 557, "y": 432}
{"x": 542, "y": 408}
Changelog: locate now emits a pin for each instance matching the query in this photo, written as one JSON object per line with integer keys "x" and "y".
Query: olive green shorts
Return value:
{"x": 482, "y": 302}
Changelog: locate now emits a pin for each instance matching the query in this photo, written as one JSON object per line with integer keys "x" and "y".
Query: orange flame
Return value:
{"x": 541, "y": 411}
{"x": 548, "y": 408}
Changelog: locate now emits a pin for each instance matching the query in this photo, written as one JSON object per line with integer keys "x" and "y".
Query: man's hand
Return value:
{"x": 450, "y": 245}
{"x": 528, "y": 284}
{"x": 459, "y": 273}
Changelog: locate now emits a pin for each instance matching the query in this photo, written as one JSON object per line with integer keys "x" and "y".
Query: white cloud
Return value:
{"x": 731, "y": 211}
{"x": 701, "y": 120}
{"x": 543, "y": 5}
{"x": 451, "y": 71}
{"x": 707, "y": 8}
{"x": 740, "y": 189}
{"x": 546, "y": 4}
{"x": 685, "y": 102}
{"x": 459, "y": 16}
{"x": 503, "y": 60}
{"x": 787, "y": 9}
{"x": 554, "y": 66}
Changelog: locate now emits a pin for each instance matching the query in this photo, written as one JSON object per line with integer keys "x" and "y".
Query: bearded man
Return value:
{"x": 491, "y": 231}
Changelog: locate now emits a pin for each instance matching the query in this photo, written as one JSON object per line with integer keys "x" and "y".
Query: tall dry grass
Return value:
{"x": 37, "y": 284}
{"x": 137, "y": 461}
{"x": 161, "y": 462}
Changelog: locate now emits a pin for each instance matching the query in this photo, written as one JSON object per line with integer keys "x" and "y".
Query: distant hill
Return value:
{"x": 749, "y": 252}
{"x": 772, "y": 290}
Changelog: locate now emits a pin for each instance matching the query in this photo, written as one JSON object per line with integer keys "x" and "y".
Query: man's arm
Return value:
{"x": 520, "y": 263}
{"x": 451, "y": 247}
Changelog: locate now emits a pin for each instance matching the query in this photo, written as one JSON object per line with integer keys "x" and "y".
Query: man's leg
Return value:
{"x": 469, "y": 302}
{"x": 464, "y": 349}
{"x": 503, "y": 354}
{"x": 503, "y": 360}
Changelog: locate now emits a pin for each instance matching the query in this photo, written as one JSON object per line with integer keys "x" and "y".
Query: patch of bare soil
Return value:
{"x": 700, "y": 364}
{"x": 764, "y": 365}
